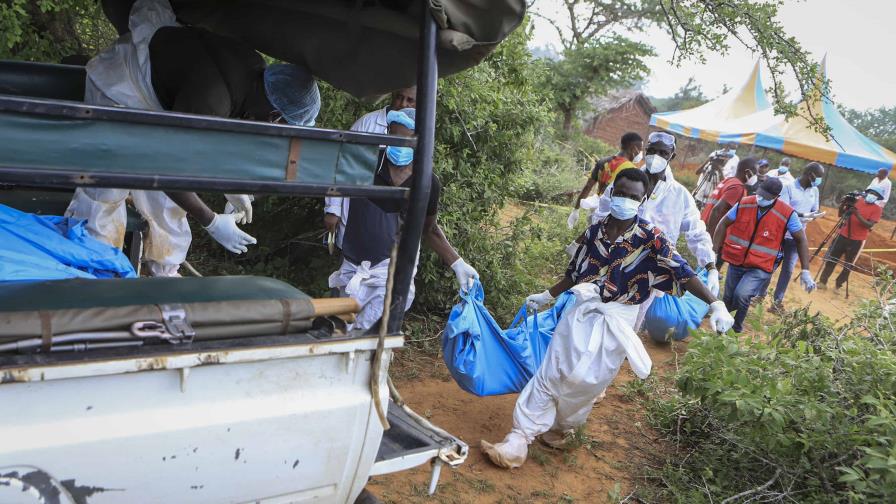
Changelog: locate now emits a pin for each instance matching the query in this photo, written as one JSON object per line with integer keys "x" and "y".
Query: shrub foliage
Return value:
{"x": 805, "y": 413}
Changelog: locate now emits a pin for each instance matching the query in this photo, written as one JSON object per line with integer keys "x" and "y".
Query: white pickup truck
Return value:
{"x": 131, "y": 412}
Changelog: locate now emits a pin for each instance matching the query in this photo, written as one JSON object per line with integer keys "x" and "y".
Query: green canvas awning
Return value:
{"x": 364, "y": 48}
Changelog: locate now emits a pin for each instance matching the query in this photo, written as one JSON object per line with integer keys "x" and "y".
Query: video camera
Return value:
{"x": 850, "y": 198}
{"x": 721, "y": 155}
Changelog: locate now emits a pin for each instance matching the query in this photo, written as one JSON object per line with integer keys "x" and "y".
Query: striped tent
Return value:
{"x": 713, "y": 120}
{"x": 845, "y": 147}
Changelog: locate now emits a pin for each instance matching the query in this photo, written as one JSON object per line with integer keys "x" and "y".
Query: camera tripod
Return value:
{"x": 709, "y": 178}
{"x": 832, "y": 234}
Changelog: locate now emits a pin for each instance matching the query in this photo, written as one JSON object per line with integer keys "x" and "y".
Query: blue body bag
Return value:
{"x": 676, "y": 314}
{"x": 486, "y": 360}
{"x": 38, "y": 247}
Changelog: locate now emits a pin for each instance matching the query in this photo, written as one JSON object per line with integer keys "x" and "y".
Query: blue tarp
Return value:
{"x": 37, "y": 247}
{"x": 486, "y": 360}
{"x": 678, "y": 314}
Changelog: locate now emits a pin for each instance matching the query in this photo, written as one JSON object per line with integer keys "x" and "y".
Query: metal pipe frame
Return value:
{"x": 412, "y": 231}
{"x": 57, "y": 108}
{"x": 68, "y": 179}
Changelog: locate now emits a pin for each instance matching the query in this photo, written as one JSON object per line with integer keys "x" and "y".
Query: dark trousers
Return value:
{"x": 847, "y": 249}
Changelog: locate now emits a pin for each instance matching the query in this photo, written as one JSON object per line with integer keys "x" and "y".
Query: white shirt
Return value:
{"x": 730, "y": 167}
{"x": 371, "y": 122}
{"x": 802, "y": 200}
{"x": 885, "y": 186}
{"x": 671, "y": 208}
{"x": 786, "y": 179}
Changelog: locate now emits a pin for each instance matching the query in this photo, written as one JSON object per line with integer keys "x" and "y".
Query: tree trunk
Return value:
{"x": 568, "y": 114}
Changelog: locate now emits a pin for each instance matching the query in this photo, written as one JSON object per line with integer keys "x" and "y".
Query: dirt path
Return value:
{"x": 619, "y": 440}
{"x": 617, "y": 430}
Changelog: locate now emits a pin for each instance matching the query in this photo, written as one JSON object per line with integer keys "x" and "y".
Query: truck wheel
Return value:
{"x": 367, "y": 498}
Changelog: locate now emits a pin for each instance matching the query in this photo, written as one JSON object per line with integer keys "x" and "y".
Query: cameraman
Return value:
{"x": 714, "y": 172}
{"x": 861, "y": 214}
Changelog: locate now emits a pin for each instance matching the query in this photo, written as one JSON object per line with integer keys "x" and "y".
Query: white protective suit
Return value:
{"x": 371, "y": 122}
{"x": 585, "y": 354}
{"x": 671, "y": 208}
{"x": 366, "y": 283}
{"x": 120, "y": 76}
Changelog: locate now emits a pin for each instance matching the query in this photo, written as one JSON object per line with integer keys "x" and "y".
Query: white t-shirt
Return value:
{"x": 885, "y": 186}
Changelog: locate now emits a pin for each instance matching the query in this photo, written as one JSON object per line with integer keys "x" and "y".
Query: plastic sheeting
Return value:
{"x": 36, "y": 247}
{"x": 671, "y": 317}
{"x": 486, "y": 360}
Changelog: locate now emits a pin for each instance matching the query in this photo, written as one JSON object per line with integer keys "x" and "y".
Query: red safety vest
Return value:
{"x": 752, "y": 241}
{"x": 716, "y": 196}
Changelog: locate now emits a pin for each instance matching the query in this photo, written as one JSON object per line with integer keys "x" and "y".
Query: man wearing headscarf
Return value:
{"x": 373, "y": 225}
{"x": 157, "y": 64}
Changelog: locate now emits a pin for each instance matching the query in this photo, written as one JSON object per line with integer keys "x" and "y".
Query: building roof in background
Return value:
{"x": 620, "y": 98}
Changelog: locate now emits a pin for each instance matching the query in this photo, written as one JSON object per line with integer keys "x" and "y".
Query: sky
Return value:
{"x": 856, "y": 35}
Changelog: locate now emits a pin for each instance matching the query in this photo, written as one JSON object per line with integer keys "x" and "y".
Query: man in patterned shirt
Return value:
{"x": 620, "y": 259}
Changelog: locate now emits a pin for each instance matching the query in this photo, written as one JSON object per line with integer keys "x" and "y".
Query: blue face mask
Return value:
{"x": 782, "y": 170}
{"x": 765, "y": 202}
{"x": 624, "y": 208}
{"x": 400, "y": 156}
{"x": 817, "y": 182}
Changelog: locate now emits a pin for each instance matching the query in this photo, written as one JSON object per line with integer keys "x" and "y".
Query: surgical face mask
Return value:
{"x": 638, "y": 158}
{"x": 782, "y": 170}
{"x": 400, "y": 156}
{"x": 765, "y": 202}
{"x": 654, "y": 163}
{"x": 732, "y": 152}
{"x": 817, "y": 182}
{"x": 624, "y": 208}
{"x": 753, "y": 180}
{"x": 870, "y": 198}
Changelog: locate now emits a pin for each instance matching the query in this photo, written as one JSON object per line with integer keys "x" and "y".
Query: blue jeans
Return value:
{"x": 787, "y": 264}
{"x": 741, "y": 284}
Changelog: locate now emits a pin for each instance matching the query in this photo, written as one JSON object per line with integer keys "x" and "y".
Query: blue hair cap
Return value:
{"x": 292, "y": 90}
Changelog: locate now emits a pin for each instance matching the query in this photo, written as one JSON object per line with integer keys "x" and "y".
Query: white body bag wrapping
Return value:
{"x": 120, "y": 76}
{"x": 366, "y": 284}
{"x": 589, "y": 345}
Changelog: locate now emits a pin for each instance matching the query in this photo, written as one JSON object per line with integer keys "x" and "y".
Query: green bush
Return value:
{"x": 804, "y": 414}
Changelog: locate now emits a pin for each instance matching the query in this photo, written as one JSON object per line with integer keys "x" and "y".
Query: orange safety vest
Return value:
{"x": 752, "y": 241}
{"x": 716, "y": 196}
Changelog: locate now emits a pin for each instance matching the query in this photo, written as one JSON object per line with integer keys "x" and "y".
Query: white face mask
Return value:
{"x": 638, "y": 158}
{"x": 655, "y": 164}
{"x": 753, "y": 180}
{"x": 624, "y": 208}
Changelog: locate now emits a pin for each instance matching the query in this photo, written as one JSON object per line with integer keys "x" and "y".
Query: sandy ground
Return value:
{"x": 620, "y": 442}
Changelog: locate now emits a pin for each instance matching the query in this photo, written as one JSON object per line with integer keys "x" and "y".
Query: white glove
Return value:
{"x": 806, "y": 281}
{"x": 223, "y": 229}
{"x": 719, "y": 319}
{"x": 241, "y": 206}
{"x": 536, "y": 301}
{"x": 712, "y": 281}
{"x": 466, "y": 274}
{"x": 573, "y": 218}
{"x": 572, "y": 248}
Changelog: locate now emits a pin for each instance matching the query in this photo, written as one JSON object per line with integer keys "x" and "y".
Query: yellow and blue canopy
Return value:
{"x": 717, "y": 121}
